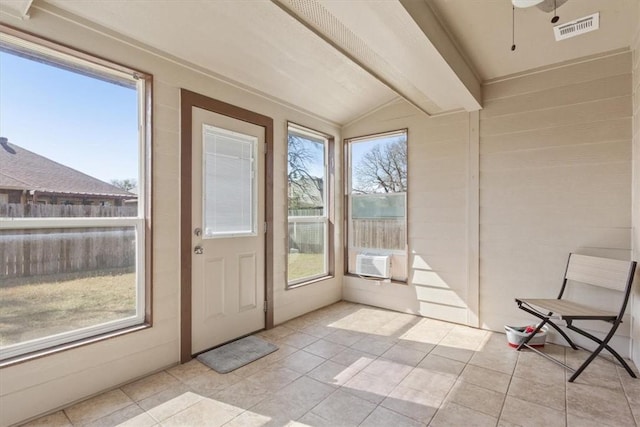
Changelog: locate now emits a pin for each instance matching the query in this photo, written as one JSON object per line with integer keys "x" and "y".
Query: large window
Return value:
{"x": 308, "y": 205}
{"x": 73, "y": 196}
{"x": 377, "y": 204}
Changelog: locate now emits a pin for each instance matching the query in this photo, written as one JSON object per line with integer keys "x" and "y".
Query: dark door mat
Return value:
{"x": 236, "y": 354}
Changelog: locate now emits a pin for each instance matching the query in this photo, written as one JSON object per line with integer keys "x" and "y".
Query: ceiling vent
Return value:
{"x": 577, "y": 27}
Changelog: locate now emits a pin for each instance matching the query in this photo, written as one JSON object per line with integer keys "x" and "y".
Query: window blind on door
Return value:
{"x": 229, "y": 183}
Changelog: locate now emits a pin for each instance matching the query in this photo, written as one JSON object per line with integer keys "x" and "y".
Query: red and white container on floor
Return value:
{"x": 517, "y": 334}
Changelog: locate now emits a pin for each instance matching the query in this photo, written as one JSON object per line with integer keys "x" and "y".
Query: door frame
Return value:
{"x": 188, "y": 100}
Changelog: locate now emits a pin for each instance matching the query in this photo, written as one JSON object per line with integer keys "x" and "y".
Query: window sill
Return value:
{"x": 69, "y": 346}
{"x": 378, "y": 280}
{"x": 309, "y": 282}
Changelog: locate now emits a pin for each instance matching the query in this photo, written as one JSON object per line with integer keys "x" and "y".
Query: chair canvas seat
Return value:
{"x": 564, "y": 309}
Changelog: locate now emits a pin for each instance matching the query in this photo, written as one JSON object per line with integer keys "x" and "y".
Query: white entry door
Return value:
{"x": 228, "y": 258}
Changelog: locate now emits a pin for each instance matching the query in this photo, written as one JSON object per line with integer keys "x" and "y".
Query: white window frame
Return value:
{"x": 324, "y": 218}
{"x": 61, "y": 54}
{"x": 349, "y": 244}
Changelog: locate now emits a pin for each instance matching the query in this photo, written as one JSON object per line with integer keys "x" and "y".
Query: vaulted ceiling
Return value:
{"x": 483, "y": 30}
{"x": 340, "y": 59}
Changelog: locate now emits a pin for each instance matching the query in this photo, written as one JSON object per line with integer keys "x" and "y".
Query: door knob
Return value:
{"x": 197, "y": 232}
{"x": 198, "y": 250}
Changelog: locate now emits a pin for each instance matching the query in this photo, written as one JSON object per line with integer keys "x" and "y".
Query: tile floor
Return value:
{"x": 350, "y": 365}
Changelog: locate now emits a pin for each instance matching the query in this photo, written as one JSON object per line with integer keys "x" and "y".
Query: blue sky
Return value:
{"x": 315, "y": 150}
{"x": 360, "y": 148}
{"x": 79, "y": 121}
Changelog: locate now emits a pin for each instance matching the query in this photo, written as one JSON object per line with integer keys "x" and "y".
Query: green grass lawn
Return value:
{"x": 31, "y": 310}
{"x": 35, "y": 310}
{"x": 305, "y": 265}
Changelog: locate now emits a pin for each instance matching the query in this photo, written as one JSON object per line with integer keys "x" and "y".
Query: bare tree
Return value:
{"x": 383, "y": 169}
{"x": 124, "y": 184}
{"x": 303, "y": 187}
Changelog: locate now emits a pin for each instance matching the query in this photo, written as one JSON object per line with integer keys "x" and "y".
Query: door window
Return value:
{"x": 229, "y": 183}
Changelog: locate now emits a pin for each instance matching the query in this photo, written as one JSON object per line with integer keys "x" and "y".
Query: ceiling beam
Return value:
{"x": 429, "y": 24}
{"x": 16, "y": 8}
{"x": 283, "y": 4}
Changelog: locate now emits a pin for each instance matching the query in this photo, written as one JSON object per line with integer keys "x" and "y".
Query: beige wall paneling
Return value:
{"x": 473, "y": 221}
{"x": 441, "y": 253}
{"x": 557, "y": 76}
{"x": 42, "y": 385}
{"x": 635, "y": 301}
{"x": 555, "y": 150}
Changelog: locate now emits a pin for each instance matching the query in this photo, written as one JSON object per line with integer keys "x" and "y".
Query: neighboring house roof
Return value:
{"x": 21, "y": 169}
{"x": 8, "y": 182}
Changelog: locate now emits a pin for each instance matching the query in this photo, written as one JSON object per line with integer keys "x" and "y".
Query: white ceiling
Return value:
{"x": 482, "y": 29}
{"x": 253, "y": 43}
{"x": 340, "y": 59}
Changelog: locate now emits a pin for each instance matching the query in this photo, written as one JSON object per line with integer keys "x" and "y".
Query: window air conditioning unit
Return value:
{"x": 373, "y": 265}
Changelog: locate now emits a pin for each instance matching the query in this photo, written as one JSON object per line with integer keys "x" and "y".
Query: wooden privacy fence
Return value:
{"x": 17, "y": 210}
{"x": 308, "y": 237}
{"x": 379, "y": 233}
{"x": 25, "y": 253}
{"x": 40, "y": 252}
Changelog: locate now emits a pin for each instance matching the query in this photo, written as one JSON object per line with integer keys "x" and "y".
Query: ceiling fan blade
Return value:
{"x": 548, "y": 5}
{"x": 526, "y": 3}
